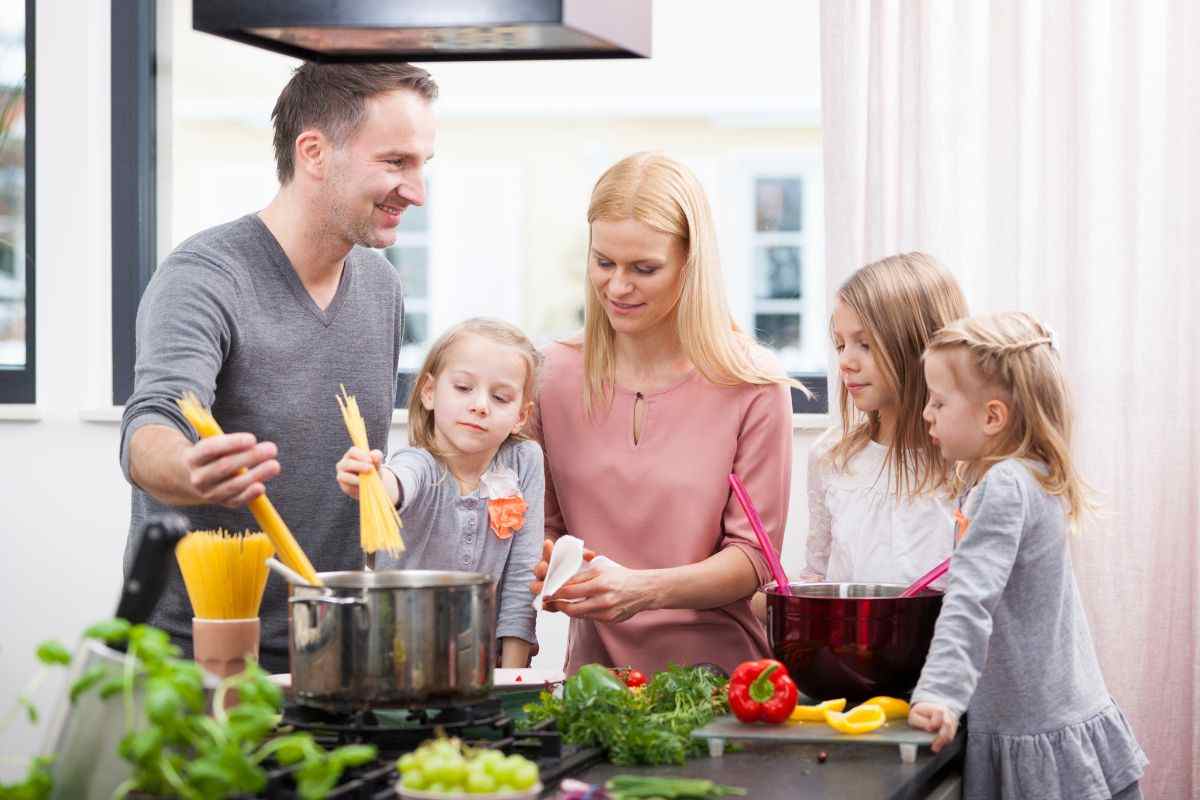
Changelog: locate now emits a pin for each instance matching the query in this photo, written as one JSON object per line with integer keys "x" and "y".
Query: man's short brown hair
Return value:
{"x": 333, "y": 98}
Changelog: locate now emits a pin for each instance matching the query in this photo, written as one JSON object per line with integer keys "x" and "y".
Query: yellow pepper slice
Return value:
{"x": 893, "y": 707}
{"x": 860, "y": 719}
{"x": 817, "y": 713}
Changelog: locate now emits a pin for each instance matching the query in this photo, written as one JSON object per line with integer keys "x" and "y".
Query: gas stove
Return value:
{"x": 83, "y": 734}
{"x": 485, "y": 724}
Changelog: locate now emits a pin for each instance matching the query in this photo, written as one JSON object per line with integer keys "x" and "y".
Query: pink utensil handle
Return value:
{"x": 926, "y": 579}
{"x": 743, "y": 497}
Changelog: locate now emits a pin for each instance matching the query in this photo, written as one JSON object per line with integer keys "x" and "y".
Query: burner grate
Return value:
{"x": 398, "y": 731}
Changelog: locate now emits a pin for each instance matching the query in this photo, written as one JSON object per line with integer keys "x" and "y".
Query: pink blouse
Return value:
{"x": 664, "y": 501}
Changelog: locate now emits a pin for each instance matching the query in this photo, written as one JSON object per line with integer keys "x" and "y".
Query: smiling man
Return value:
{"x": 265, "y": 316}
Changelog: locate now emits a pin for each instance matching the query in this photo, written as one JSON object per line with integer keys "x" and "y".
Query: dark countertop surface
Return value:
{"x": 773, "y": 771}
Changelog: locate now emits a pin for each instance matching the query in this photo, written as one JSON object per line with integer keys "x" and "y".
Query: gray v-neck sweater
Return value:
{"x": 226, "y": 316}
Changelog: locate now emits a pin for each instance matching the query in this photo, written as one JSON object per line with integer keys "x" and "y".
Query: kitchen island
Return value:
{"x": 773, "y": 771}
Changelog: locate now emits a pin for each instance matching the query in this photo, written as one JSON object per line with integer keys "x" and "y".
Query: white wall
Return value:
{"x": 63, "y": 503}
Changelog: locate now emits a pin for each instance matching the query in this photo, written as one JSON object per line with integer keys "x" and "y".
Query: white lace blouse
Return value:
{"x": 859, "y": 530}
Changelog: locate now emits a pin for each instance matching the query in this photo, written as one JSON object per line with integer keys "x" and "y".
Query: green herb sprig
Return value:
{"x": 177, "y": 749}
{"x": 648, "y": 726}
{"x": 38, "y": 781}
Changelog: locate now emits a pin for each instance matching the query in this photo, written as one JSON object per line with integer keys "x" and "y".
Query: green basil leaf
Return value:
{"x": 354, "y": 755}
{"x": 110, "y": 631}
{"x": 251, "y": 723}
{"x": 150, "y": 644}
{"x": 114, "y": 685}
{"x": 92, "y": 676}
{"x": 317, "y": 778}
{"x": 139, "y": 747}
{"x": 294, "y": 748}
{"x": 50, "y": 652}
{"x": 211, "y": 776}
{"x": 163, "y": 702}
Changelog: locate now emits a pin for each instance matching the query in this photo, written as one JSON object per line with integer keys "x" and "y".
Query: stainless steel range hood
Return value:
{"x": 433, "y": 30}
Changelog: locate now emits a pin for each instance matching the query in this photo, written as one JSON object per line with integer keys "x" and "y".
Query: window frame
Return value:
{"x": 18, "y": 385}
{"x": 407, "y": 376}
{"x": 135, "y": 198}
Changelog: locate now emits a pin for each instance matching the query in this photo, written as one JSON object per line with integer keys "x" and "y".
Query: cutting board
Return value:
{"x": 893, "y": 732}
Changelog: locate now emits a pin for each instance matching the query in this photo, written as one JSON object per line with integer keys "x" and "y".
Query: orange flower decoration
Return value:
{"x": 961, "y": 523}
{"x": 507, "y": 515}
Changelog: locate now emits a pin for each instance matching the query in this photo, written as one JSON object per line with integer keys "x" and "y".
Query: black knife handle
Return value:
{"x": 151, "y": 565}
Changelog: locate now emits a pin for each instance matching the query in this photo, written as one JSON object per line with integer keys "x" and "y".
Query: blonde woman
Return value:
{"x": 879, "y": 505}
{"x": 642, "y": 419}
{"x": 1012, "y": 644}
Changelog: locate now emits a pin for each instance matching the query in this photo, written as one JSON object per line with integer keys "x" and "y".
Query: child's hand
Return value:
{"x": 354, "y": 463}
{"x": 935, "y": 719}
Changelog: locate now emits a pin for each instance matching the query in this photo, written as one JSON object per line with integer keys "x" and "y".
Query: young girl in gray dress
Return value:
{"x": 1012, "y": 645}
{"x": 470, "y": 486}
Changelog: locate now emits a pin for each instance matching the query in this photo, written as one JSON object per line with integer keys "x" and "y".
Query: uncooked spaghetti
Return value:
{"x": 264, "y": 512}
{"x": 225, "y": 573}
{"x": 379, "y": 523}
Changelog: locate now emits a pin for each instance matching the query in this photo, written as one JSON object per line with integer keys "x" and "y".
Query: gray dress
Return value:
{"x": 446, "y": 530}
{"x": 1013, "y": 650}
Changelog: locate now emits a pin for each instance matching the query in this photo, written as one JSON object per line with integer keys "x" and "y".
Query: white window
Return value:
{"x": 772, "y": 228}
{"x": 410, "y": 256}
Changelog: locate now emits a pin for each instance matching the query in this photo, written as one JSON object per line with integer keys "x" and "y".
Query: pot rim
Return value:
{"x": 396, "y": 579}
{"x": 847, "y": 590}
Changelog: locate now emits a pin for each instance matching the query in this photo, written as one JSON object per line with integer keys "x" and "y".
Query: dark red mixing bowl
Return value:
{"x": 852, "y": 640}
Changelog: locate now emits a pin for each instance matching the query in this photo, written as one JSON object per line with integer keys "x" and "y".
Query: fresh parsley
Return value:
{"x": 651, "y": 725}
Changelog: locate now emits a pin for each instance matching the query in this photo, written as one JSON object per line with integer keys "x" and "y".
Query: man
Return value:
{"x": 265, "y": 316}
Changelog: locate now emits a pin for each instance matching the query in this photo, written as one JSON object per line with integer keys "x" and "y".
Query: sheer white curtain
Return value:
{"x": 1049, "y": 154}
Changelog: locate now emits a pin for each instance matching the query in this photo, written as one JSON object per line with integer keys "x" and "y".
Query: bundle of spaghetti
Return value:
{"x": 379, "y": 524}
{"x": 225, "y": 573}
{"x": 264, "y": 512}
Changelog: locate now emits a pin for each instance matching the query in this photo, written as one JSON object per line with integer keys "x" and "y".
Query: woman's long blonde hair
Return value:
{"x": 901, "y": 302}
{"x": 421, "y": 427}
{"x": 1016, "y": 355}
{"x": 662, "y": 193}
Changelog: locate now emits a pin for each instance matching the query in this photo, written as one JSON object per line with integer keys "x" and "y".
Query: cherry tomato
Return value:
{"x": 634, "y": 678}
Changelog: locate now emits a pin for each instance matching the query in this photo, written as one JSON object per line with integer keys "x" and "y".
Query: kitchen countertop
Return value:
{"x": 772, "y": 771}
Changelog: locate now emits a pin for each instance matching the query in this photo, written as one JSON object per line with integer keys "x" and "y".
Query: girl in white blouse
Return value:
{"x": 879, "y": 506}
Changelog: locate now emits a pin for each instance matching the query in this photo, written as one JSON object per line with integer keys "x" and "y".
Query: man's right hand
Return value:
{"x": 228, "y": 470}
{"x": 231, "y": 469}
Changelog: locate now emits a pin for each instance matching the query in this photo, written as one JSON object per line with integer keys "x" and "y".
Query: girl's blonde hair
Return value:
{"x": 662, "y": 193}
{"x": 1014, "y": 353}
{"x": 420, "y": 419}
{"x": 901, "y": 301}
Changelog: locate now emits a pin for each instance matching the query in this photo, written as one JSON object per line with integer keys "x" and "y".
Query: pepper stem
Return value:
{"x": 761, "y": 688}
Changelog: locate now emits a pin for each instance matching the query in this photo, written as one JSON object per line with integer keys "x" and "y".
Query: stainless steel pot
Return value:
{"x": 392, "y": 638}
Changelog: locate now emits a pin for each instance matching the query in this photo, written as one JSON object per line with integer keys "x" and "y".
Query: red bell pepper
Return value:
{"x": 762, "y": 691}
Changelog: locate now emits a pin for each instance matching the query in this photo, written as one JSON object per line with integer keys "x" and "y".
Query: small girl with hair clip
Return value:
{"x": 879, "y": 502}
{"x": 1012, "y": 644}
{"x": 470, "y": 488}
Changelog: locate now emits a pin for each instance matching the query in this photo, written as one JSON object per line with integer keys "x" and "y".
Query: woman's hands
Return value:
{"x": 354, "y": 463}
{"x": 934, "y": 718}
{"x": 540, "y": 569}
{"x": 613, "y": 594}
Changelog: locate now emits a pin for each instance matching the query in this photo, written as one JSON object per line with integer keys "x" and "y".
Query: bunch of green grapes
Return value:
{"x": 445, "y": 766}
